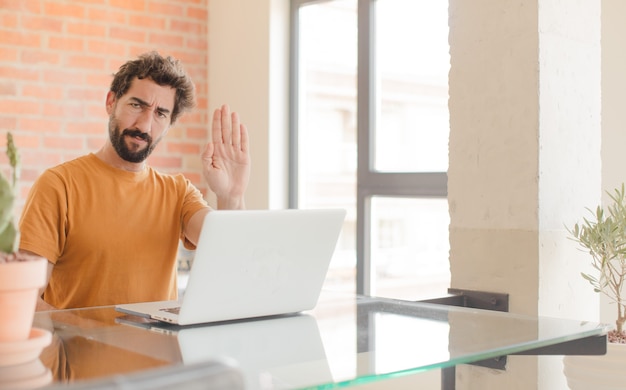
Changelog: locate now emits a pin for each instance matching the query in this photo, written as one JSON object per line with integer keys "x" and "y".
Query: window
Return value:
{"x": 369, "y": 133}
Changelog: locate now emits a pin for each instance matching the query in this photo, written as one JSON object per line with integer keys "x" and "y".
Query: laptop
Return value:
{"x": 253, "y": 263}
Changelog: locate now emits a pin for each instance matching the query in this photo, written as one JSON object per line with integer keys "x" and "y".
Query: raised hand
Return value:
{"x": 226, "y": 159}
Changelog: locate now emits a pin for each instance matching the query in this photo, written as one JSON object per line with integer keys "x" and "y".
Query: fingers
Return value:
{"x": 216, "y": 128}
{"x": 243, "y": 137}
{"x": 227, "y": 128}
{"x": 235, "y": 132}
{"x": 207, "y": 154}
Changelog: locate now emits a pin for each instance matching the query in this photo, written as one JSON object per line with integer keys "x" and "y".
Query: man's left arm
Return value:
{"x": 225, "y": 166}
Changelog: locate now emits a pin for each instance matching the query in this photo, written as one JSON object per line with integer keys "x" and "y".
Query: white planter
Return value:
{"x": 604, "y": 372}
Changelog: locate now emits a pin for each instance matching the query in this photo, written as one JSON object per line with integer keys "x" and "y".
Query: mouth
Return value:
{"x": 137, "y": 136}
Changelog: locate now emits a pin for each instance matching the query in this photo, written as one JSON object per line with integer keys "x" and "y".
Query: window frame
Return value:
{"x": 369, "y": 181}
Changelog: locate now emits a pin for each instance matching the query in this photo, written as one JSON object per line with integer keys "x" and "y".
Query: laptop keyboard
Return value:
{"x": 174, "y": 310}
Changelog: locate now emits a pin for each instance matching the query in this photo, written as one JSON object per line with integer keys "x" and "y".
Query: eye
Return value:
{"x": 162, "y": 115}
{"x": 134, "y": 105}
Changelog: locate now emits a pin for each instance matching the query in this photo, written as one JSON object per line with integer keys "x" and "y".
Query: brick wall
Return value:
{"x": 56, "y": 61}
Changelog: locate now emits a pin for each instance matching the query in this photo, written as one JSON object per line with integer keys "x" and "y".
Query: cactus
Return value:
{"x": 9, "y": 234}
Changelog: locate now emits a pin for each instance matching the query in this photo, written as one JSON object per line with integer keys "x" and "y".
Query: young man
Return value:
{"x": 108, "y": 223}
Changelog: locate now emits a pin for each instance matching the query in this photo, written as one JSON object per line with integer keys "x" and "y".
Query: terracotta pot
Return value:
{"x": 29, "y": 375}
{"x": 604, "y": 372}
{"x": 20, "y": 282}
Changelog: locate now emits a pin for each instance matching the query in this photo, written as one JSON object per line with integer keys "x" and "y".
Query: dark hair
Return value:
{"x": 163, "y": 71}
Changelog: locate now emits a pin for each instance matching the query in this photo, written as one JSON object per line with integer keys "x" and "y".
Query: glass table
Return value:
{"x": 346, "y": 340}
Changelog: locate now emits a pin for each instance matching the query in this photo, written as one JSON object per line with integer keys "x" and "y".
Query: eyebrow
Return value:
{"x": 146, "y": 104}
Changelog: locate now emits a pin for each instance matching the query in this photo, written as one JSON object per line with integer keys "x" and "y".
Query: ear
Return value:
{"x": 110, "y": 102}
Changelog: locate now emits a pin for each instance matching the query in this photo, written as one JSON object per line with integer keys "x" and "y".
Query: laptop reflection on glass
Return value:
{"x": 253, "y": 263}
{"x": 283, "y": 351}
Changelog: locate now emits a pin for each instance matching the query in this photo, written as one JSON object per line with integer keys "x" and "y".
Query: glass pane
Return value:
{"x": 412, "y": 64}
{"x": 327, "y": 157}
{"x": 410, "y": 247}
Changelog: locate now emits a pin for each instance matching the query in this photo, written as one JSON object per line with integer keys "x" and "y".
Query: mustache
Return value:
{"x": 138, "y": 134}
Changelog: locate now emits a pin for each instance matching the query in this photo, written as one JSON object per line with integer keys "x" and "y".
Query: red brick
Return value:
{"x": 86, "y": 128}
{"x": 42, "y": 23}
{"x": 18, "y": 73}
{"x": 136, "y": 50}
{"x": 95, "y": 45}
{"x": 146, "y": 21}
{"x": 41, "y": 91}
{"x": 40, "y": 158}
{"x": 183, "y": 148}
{"x": 92, "y": 2}
{"x": 109, "y": 15}
{"x": 166, "y": 40}
{"x": 66, "y": 43}
{"x": 8, "y": 21}
{"x": 9, "y": 54}
{"x": 86, "y": 94}
{"x": 198, "y": 43}
{"x": 194, "y": 177}
{"x": 20, "y": 38}
{"x": 95, "y": 143}
{"x": 63, "y": 143}
{"x": 29, "y": 175}
{"x": 100, "y": 79}
{"x": 96, "y": 111}
{"x": 18, "y": 107}
{"x": 8, "y": 88}
{"x": 72, "y": 154}
{"x": 41, "y": 125}
{"x": 90, "y": 62}
{"x": 200, "y": 13}
{"x": 86, "y": 28}
{"x": 8, "y": 123}
{"x": 127, "y": 34}
{"x": 24, "y": 141}
{"x": 134, "y": 5}
{"x": 188, "y": 27}
{"x": 63, "y": 109}
{"x": 201, "y": 133}
{"x": 202, "y": 103}
{"x": 55, "y": 76}
{"x": 10, "y": 5}
{"x": 196, "y": 116}
{"x": 38, "y": 57}
{"x": 63, "y": 9}
{"x": 163, "y": 8}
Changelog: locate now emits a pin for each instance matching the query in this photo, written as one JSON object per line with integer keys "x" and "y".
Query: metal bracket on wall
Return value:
{"x": 594, "y": 345}
{"x": 473, "y": 299}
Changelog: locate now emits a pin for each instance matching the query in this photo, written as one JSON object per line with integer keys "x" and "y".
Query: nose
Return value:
{"x": 144, "y": 120}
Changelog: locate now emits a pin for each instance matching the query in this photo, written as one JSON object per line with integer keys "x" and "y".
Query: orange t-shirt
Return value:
{"x": 111, "y": 234}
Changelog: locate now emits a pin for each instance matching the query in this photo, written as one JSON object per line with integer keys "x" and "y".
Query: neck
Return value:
{"x": 110, "y": 157}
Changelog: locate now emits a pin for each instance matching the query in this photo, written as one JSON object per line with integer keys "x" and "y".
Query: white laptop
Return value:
{"x": 253, "y": 263}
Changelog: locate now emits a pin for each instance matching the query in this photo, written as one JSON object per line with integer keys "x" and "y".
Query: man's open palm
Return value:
{"x": 226, "y": 158}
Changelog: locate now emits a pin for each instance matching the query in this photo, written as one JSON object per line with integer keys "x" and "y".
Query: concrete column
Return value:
{"x": 248, "y": 69}
{"x": 524, "y": 162}
{"x": 613, "y": 109}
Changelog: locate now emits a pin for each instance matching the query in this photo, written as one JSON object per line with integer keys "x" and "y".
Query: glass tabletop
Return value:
{"x": 345, "y": 340}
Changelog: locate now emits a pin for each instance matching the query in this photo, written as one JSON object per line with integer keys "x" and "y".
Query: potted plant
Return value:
{"x": 21, "y": 274}
{"x": 604, "y": 238}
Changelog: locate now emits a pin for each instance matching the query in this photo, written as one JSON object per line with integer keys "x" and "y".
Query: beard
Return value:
{"x": 130, "y": 153}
